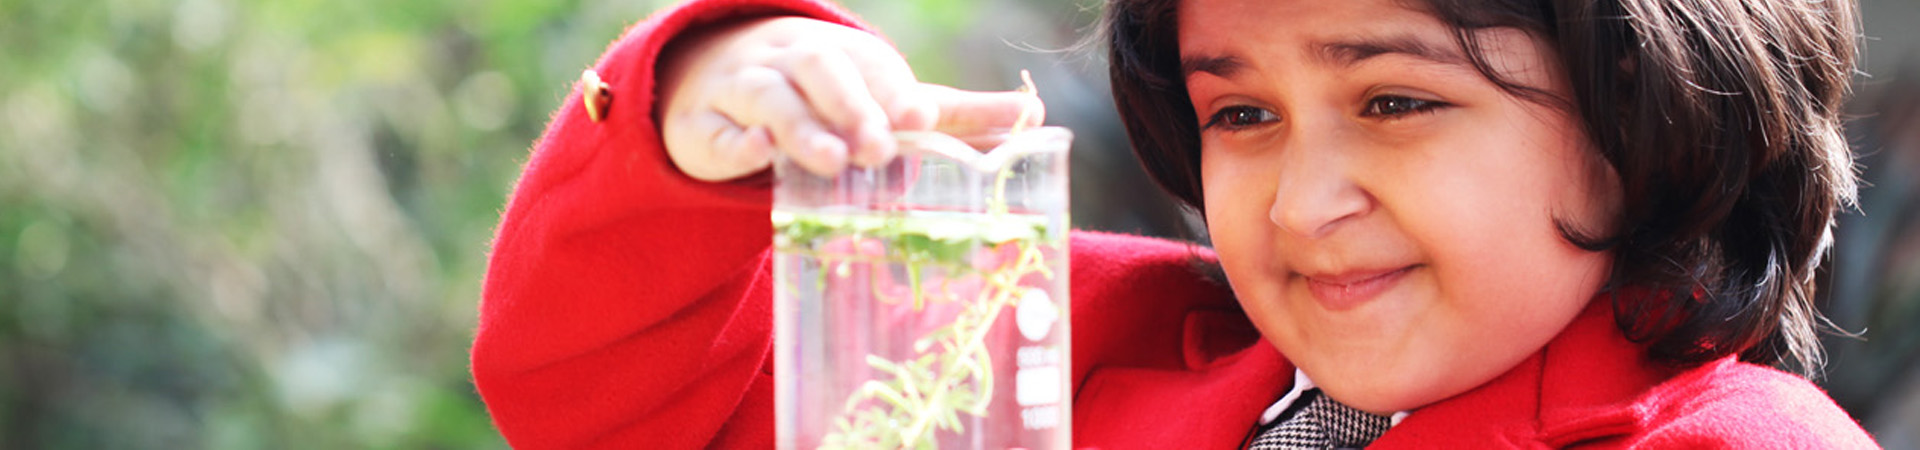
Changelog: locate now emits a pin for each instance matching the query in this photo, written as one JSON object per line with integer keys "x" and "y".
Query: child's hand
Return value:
{"x": 823, "y": 94}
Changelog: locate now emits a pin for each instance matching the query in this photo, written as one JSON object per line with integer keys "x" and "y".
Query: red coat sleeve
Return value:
{"x": 626, "y": 303}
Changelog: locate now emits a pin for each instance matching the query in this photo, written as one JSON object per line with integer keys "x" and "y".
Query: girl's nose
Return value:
{"x": 1316, "y": 193}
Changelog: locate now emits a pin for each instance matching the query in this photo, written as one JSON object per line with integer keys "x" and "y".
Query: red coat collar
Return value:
{"x": 1584, "y": 385}
{"x": 1167, "y": 360}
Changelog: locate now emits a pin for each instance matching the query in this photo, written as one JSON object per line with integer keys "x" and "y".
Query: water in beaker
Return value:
{"x": 922, "y": 304}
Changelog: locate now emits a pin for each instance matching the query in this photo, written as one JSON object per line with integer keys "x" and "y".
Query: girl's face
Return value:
{"x": 1385, "y": 213}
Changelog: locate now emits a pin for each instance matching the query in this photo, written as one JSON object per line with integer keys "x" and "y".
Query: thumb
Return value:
{"x": 983, "y": 118}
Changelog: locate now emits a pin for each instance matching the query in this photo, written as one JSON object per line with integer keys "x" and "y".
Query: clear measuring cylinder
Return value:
{"x": 923, "y": 304}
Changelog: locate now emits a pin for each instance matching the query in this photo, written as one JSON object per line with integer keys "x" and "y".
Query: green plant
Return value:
{"x": 951, "y": 371}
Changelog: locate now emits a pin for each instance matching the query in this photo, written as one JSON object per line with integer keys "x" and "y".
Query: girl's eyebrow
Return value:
{"x": 1347, "y": 53}
{"x": 1223, "y": 66}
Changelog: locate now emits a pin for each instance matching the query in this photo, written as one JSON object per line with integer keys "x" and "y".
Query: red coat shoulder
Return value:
{"x": 1729, "y": 403}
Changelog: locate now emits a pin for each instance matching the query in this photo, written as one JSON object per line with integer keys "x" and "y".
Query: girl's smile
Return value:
{"x": 1341, "y": 291}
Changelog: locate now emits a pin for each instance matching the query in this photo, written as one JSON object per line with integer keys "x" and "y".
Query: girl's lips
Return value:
{"x": 1344, "y": 291}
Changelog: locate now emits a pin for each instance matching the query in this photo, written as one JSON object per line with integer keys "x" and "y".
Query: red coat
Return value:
{"x": 628, "y": 306}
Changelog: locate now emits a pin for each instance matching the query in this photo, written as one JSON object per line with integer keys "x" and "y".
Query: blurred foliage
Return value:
{"x": 263, "y": 224}
{"x": 254, "y": 224}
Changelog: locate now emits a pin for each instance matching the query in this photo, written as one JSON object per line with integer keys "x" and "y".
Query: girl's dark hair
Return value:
{"x": 1721, "y": 117}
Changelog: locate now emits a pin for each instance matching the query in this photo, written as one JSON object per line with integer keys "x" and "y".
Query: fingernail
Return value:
{"x": 876, "y": 145}
{"x": 916, "y": 115}
{"x": 829, "y": 152}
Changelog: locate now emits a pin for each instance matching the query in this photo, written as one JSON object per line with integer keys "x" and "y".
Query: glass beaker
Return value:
{"x": 922, "y": 304}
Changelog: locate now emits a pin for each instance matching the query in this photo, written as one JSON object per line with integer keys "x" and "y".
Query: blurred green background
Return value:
{"x": 263, "y": 224}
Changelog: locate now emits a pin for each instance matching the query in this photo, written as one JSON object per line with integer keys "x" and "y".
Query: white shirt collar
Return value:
{"x": 1300, "y": 385}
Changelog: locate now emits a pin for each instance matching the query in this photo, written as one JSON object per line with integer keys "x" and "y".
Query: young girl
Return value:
{"x": 1454, "y": 224}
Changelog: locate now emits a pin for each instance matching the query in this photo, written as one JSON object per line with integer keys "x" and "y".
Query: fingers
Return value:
{"x": 747, "y": 150}
{"x": 824, "y": 95}
{"x": 833, "y": 84}
{"x": 864, "y": 89}
{"x": 895, "y": 88}
{"x": 984, "y": 118}
{"x": 764, "y": 111}
{"x": 709, "y": 146}
{"x": 761, "y": 97}
{"x": 829, "y": 104}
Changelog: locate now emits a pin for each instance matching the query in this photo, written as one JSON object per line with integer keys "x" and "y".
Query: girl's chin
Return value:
{"x": 1379, "y": 393}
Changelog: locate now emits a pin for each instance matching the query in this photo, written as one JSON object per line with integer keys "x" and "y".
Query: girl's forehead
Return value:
{"x": 1215, "y": 25}
{"x": 1220, "y": 37}
{"x": 1233, "y": 34}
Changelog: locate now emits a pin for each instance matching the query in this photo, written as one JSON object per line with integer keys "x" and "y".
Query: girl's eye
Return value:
{"x": 1239, "y": 117}
{"x": 1394, "y": 106}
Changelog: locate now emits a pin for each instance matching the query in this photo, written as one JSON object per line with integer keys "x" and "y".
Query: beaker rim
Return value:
{"x": 1009, "y": 145}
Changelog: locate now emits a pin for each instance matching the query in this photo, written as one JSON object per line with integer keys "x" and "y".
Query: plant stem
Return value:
{"x": 1005, "y": 284}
